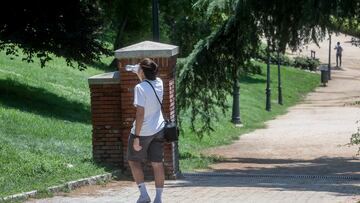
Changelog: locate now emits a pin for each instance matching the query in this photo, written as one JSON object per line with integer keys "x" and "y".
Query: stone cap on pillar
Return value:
{"x": 105, "y": 78}
{"x": 147, "y": 49}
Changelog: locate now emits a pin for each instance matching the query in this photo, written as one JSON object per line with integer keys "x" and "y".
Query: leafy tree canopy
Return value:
{"x": 183, "y": 24}
{"x": 126, "y": 21}
{"x": 67, "y": 28}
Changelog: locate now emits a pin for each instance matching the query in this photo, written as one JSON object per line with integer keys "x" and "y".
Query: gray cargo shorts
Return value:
{"x": 152, "y": 148}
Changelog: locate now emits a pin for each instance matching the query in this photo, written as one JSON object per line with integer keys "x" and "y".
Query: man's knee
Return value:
{"x": 157, "y": 164}
{"x": 134, "y": 163}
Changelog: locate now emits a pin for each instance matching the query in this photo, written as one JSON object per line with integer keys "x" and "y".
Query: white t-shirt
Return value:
{"x": 339, "y": 49}
{"x": 144, "y": 96}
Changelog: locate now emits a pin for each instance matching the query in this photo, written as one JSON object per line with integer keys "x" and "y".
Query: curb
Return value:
{"x": 93, "y": 180}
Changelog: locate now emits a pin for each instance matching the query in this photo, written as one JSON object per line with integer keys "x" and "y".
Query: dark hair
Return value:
{"x": 150, "y": 68}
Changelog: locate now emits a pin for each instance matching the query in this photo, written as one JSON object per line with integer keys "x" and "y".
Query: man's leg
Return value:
{"x": 337, "y": 58}
{"x": 156, "y": 155}
{"x": 340, "y": 59}
{"x": 138, "y": 174}
{"x": 159, "y": 175}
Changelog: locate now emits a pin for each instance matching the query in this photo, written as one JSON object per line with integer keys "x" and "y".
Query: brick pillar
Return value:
{"x": 106, "y": 115}
{"x": 165, "y": 56}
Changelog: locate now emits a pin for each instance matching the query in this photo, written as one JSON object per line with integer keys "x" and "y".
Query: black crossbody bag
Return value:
{"x": 171, "y": 130}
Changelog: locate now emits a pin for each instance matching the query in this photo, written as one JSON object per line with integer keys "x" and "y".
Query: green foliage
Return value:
{"x": 43, "y": 29}
{"x": 263, "y": 56}
{"x": 188, "y": 21}
{"x": 306, "y": 63}
{"x": 183, "y": 24}
{"x": 304, "y": 21}
{"x": 217, "y": 11}
{"x": 350, "y": 26}
{"x": 190, "y": 161}
{"x": 126, "y": 22}
{"x": 355, "y": 138}
{"x": 345, "y": 25}
{"x": 355, "y": 42}
{"x": 208, "y": 72}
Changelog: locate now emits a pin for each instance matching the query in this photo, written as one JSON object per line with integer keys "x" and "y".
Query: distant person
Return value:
{"x": 339, "y": 50}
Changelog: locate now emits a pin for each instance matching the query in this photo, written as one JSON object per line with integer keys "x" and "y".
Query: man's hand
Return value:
{"x": 140, "y": 111}
{"x": 136, "y": 144}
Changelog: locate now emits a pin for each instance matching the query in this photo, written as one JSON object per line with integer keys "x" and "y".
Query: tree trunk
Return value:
{"x": 120, "y": 32}
{"x": 118, "y": 41}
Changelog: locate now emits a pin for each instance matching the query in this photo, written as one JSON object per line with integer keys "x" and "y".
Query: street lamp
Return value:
{"x": 155, "y": 20}
{"x": 268, "y": 90}
{"x": 236, "y": 98}
{"x": 329, "y": 65}
{"x": 280, "y": 101}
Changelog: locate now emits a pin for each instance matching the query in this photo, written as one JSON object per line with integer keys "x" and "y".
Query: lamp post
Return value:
{"x": 268, "y": 90}
{"x": 279, "y": 81}
{"x": 236, "y": 98}
{"x": 155, "y": 20}
{"x": 329, "y": 65}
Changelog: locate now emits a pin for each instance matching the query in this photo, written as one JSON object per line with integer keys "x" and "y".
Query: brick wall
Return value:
{"x": 106, "y": 121}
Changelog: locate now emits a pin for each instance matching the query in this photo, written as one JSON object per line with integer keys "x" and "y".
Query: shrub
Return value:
{"x": 251, "y": 68}
{"x": 355, "y": 139}
{"x": 284, "y": 60}
{"x": 306, "y": 63}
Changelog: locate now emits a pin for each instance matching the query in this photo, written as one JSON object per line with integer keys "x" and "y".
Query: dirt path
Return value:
{"x": 297, "y": 158}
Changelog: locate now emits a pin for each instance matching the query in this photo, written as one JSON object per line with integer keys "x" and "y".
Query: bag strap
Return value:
{"x": 162, "y": 109}
{"x": 154, "y": 92}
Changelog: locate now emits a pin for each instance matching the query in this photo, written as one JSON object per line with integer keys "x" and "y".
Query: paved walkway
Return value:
{"x": 297, "y": 158}
{"x": 222, "y": 189}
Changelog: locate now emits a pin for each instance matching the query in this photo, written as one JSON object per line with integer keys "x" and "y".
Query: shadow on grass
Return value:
{"x": 39, "y": 101}
{"x": 338, "y": 175}
{"x": 251, "y": 80}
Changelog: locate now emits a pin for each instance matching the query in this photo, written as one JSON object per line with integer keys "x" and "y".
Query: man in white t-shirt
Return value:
{"x": 147, "y": 137}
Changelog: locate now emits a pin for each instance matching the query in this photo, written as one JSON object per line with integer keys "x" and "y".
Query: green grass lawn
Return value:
{"x": 45, "y": 127}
